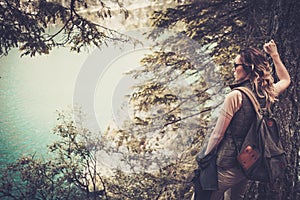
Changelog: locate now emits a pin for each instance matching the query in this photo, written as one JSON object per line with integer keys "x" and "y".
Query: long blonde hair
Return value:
{"x": 260, "y": 71}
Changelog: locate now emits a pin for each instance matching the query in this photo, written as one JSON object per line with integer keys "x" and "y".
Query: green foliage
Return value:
{"x": 134, "y": 186}
{"x": 30, "y": 178}
{"x": 167, "y": 183}
{"x": 230, "y": 25}
{"x": 29, "y": 25}
{"x": 71, "y": 173}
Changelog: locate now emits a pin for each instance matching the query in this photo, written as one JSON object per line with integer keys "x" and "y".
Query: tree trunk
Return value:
{"x": 285, "y": 29}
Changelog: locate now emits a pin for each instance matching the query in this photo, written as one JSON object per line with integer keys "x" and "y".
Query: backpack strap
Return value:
{"x": 252, "y": 98}
{"x": 256, "y": 107}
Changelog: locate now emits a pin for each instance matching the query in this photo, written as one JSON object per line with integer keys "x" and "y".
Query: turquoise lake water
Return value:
{"x": 31, "y": 90}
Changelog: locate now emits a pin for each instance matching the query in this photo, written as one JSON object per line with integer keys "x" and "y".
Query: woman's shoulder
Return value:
{"x": 233, "y": 101}
{"x": 234, "y": 95}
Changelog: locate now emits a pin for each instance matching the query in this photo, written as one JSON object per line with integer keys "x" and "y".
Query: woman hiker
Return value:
{"x": 251, "y": 70}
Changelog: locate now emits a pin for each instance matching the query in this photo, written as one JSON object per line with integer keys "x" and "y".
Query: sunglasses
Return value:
{"x": 238, "y": 64}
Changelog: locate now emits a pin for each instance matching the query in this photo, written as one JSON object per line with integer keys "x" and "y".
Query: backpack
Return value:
{"x": 261, "y": 157}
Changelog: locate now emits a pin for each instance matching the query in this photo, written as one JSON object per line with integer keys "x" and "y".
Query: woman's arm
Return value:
{"x": 231, "y": 105}
{"x": 218, "y": 133}
{"x": 281, "y": 71}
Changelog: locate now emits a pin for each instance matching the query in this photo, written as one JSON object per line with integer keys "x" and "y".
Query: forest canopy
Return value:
{"x": 29, "y": 25}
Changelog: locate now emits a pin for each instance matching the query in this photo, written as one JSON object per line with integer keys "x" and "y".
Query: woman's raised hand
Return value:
{"x": 271, "y": 48}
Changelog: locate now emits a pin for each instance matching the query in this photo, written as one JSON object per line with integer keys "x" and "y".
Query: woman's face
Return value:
{"x": 239, "y": 72}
